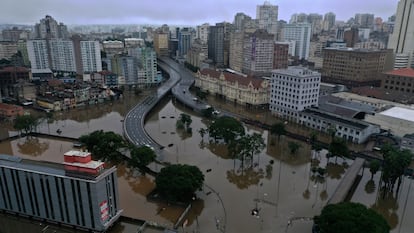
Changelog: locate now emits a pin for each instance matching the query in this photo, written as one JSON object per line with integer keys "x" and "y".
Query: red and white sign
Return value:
{"x": 104, "y": 210}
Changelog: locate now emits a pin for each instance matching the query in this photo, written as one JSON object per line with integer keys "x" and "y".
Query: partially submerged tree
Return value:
{"x": 179, "y": 182}
{"x": 226, "y": 128}
{"x": 374, "y": 167}
{"x": 104, "y": 145}
{"x": 339, "y": 148}
{"x": 141, "y": 157}
{"x": 278, "y": 129}
{"x": 26, "y": 123}
{"x": 349, "y": 217}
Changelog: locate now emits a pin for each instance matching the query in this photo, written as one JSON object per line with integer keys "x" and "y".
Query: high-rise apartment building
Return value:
{"x": 364, "y": 20}
{"x": 7, "y": 49}
{"x": 280, "y": 55}
{"x": 351, "y": 37}
{"x": 258, "y": 53}
{"x": 184, "y": 41}
{"x": 161, "y": 43}
{"x": 240, "y": 21}
{"x": 329, "y": 21}
{"x": 90, "y": 56}
{"x": 80, "y": 192}
{"x": 38, "y": 54}
{"x": 49, "y": 28}
{"x": 293, "y": 90}
{"x": 53, "y": 49}
{"x": 301, "y": 33}
{"x": 353, "y": 67}
{"x": 219, "y": 44}
{"x": 202, "y": 32}
{"x": 236, "y": 51}
{"x": 267, "y": 15}
{"x": 402, "y": 38}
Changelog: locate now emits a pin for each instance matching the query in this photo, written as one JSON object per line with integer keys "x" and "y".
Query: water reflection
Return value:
{"x": 32, "y": 146}
{"x": 387, "y": 205}
{"x": 335, "y": 170}
{"x": 244, "y": 178}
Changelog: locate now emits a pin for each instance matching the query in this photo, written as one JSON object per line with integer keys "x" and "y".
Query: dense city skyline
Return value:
{"x": 182, "y": 12}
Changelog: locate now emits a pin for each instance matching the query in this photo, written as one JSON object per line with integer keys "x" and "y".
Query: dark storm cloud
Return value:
{"x": 175, "y": 11}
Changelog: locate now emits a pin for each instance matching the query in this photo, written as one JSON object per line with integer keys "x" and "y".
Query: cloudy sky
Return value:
{"x": 187, "y": 12}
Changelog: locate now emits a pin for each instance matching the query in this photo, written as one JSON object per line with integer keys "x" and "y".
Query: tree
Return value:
{"x": 104, "y": 145}
{"x": 26, "y": 123}
{"x": 226, "y": 128}
{"x": 348, "y": 217}
{"x": 202, "y": 95}
{"x": 184, "y": 122}
{"x": 207, "y": 112}
{"x": 394, "y": 165}
{"x": 278, "y": 129}
{"x": 246, "y": 147}
{"x": 293, "y": 147}
{"x": 338, "y": 148}
{"x": 374, "y": 167}
{"x": 178, "y": 182}
{"x": 141, "y": 157}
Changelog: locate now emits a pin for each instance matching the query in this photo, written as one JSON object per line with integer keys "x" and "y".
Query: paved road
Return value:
{"x": 134, "y": 120}
{"x": 179, "y": 83}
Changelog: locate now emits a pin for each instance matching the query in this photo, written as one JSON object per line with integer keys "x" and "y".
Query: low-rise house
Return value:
{"x": 51, "y": 103}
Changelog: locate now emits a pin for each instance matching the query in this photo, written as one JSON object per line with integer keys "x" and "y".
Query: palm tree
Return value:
{"x": 278, "y": 129}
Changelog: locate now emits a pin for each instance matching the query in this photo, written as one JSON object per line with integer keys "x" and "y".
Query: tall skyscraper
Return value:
{"x": 49, "y": 28}
{"x": 364, "y": 20}
{"x": 258, "y": 53}
{"x": 402, "y": 39}
{"x": 329, "y": 21}
{"x": 184, "y": 41}
{"x": 240, "y": 20}
{"x": 52, "y": 48}
{"x": 267, "y": 15}
{"x": 202, "y": 32}
{"x": 219, "y": 44}
{"x": 301, "y": 33}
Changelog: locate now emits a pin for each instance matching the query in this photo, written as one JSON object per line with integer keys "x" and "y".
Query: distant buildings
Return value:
{"x": 7, "y": 49}
{"x": 202, "y": 32}
{"x": 10, "y": 111}
{"x": 301, "y": 34}
{"x": 329, "y": 21}
{"x": 399, "y": 82}
{"x": 402, "y": 39}
{"x": 258, "y": 50}
{"x": 216, "y": 44}
{"x": 293, "y": 90}
{"x": 52, "y": 48}
{"x": 280, "y": 55}
{"x": 353, "y": 67}
{"x": 184, "y": 41}
{"x": 267, "y": 15}
{"x": 161, "y": 43}
{"x": 364, "y": 20}
{"x": 80, "y": 192}
{"x": 248, "y": 91}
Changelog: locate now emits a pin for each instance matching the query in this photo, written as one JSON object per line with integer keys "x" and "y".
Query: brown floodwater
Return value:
{"x": 279, "y": 184}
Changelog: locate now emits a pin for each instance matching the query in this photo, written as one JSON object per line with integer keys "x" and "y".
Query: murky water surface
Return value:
{"x": 280, "y": 185}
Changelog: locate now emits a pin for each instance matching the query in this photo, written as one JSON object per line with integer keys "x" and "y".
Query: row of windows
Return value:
{"x": 53, "y": 198}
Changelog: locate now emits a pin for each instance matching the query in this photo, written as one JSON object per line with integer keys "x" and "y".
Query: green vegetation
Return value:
{"x": 178, "y": 182}
{"x": 350, "y": 217}
{"x": 278, "y": 129}
{"x": 104, "y": 145}
{"x": 26, "y": 123}
{"x": 226, "y": 128}
{"x": 293, "y": 147}
{"x": 245, "y": 147}
{"x": 184, "y": 122}
{"x": 207, "y": 112}
{"x": 141, "y": 157}
{"x": 338, "y": 148}
{"x": 191, "y": 67}
{"x": 374, "y": 167}
{"x": 394, "y": 165}
{"x": 202, "y": 95}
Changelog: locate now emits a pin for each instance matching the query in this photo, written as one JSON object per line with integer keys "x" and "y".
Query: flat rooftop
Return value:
{"x": 400, "y": 113}
{"x": 45, "y": 167}
{"x": 77, "y": 153}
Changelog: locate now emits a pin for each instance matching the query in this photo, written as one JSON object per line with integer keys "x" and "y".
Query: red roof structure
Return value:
{"x": 404, "y": 72}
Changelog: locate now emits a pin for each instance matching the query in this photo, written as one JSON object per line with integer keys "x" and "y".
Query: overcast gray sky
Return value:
{"x": 188, "y": 12}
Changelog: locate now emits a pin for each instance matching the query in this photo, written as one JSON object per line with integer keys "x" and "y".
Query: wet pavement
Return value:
{"x": 280, "y": 185}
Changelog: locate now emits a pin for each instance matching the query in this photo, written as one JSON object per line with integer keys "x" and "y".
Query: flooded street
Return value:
{"x": 280, "y": 185}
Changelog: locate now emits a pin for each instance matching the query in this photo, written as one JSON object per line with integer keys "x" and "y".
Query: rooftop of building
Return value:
{"x": 342, "y": 107}
{"x": 8, "y": 106}
{"x": 336, "y": 118}
{"x": 298, "y": 71}
{"x": 45, "y": 167}
{"x": 405, "y": 72}
{"x": 77, "y": 153}
{"x": 18, "y": 69}
{"x": 360, "y": 50}
{"x": 233, "y": 77}
{"x": 400, "y": 113}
